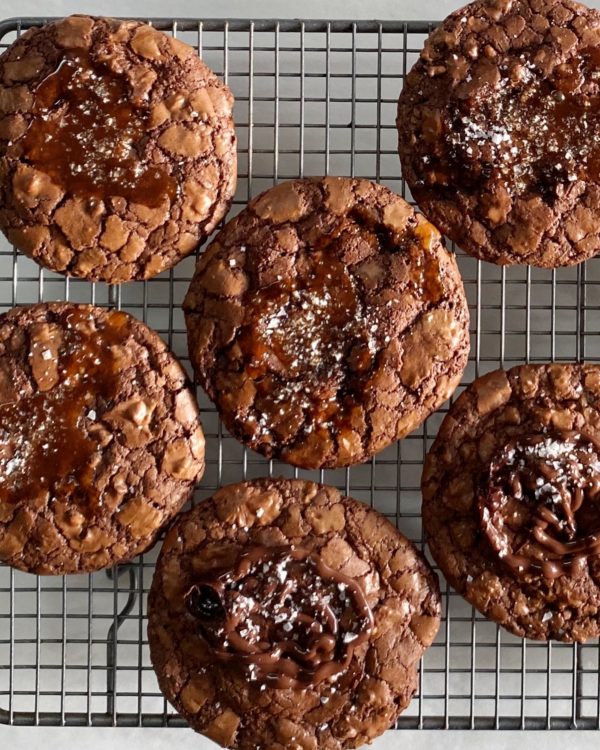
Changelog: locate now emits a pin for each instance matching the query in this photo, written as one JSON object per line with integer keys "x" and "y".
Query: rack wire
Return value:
{"x": 312, "y": 98}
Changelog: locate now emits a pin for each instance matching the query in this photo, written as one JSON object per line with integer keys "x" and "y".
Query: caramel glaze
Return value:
{"x": 426, "y": 276}
{"x": 539, "y": 503}
{"x": 282, "y": 615}
{"x": 315, "y": 308}
{"x": 89, "y": 136}
{"x": 535, "y": 135}
{"x": 45, "y": 453}
{"x": 313, "y": 325}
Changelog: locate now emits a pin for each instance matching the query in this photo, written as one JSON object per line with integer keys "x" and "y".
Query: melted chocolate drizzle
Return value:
{"x": 539, "y": 503}
{"x": 283, "y": 615}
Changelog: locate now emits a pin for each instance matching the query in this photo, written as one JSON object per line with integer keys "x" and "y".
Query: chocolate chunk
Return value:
{"x": 326, "y": 321}
{"x": 204, "y": 602}
{"x": 247, "y": 617}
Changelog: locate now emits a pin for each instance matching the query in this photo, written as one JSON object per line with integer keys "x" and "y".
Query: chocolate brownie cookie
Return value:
{"x": 117, "y": 148}
{"x": 500, "y": 132}
{"x": 283, "y": 615}
{"x": 326, "y": 321}
{"x": 100, "y": 439}
{"x": 511, "y": 499}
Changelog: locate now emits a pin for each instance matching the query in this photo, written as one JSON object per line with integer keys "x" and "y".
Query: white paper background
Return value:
{"x": 26, "y": 738}
{"x": 381, "y": 9}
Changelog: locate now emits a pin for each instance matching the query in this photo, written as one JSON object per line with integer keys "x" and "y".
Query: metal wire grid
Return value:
{"x": 312, "y": 97}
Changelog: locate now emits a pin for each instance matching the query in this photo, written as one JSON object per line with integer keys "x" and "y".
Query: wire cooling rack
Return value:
{"x": 312, "y": 98}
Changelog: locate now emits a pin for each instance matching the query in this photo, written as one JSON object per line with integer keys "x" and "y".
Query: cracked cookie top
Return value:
{"x": 499, "y": 131}
{"x": 511, "y": 499}
{"x": 326, "y": 321}
{"x": 117, "y": 148}
{"x": 100, "y": 438}
{"x": 285, "y": 615}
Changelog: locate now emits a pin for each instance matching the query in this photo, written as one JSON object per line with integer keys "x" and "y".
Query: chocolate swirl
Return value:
{"x": 539, "y": 503}
{"x": 283, "y": 615}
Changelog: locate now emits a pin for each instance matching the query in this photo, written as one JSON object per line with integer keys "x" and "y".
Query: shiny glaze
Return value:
{"x": 89, "y": 136}
{"x": 312, "y": 327}
{"x": 47, "y": 439}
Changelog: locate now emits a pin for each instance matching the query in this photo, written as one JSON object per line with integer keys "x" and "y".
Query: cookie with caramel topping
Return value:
{"x": 285, "y": 615}
{"x": 100, "y": 438}
{"x": 326, "y": 321}
{"x": 511, "y": 499}
{"x": 117, "y": 148}
{"x": 499, "y": 131}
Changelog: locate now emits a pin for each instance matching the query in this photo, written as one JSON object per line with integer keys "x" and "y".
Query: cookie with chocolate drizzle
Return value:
{"x": 283, "y": 614}
{"x": 499, "y": 131}
{"x": 326, "y": 321}
{"x": 511, "y": 499}
{"x": 117, "y": 148}
{"x": 100, "y": 438}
